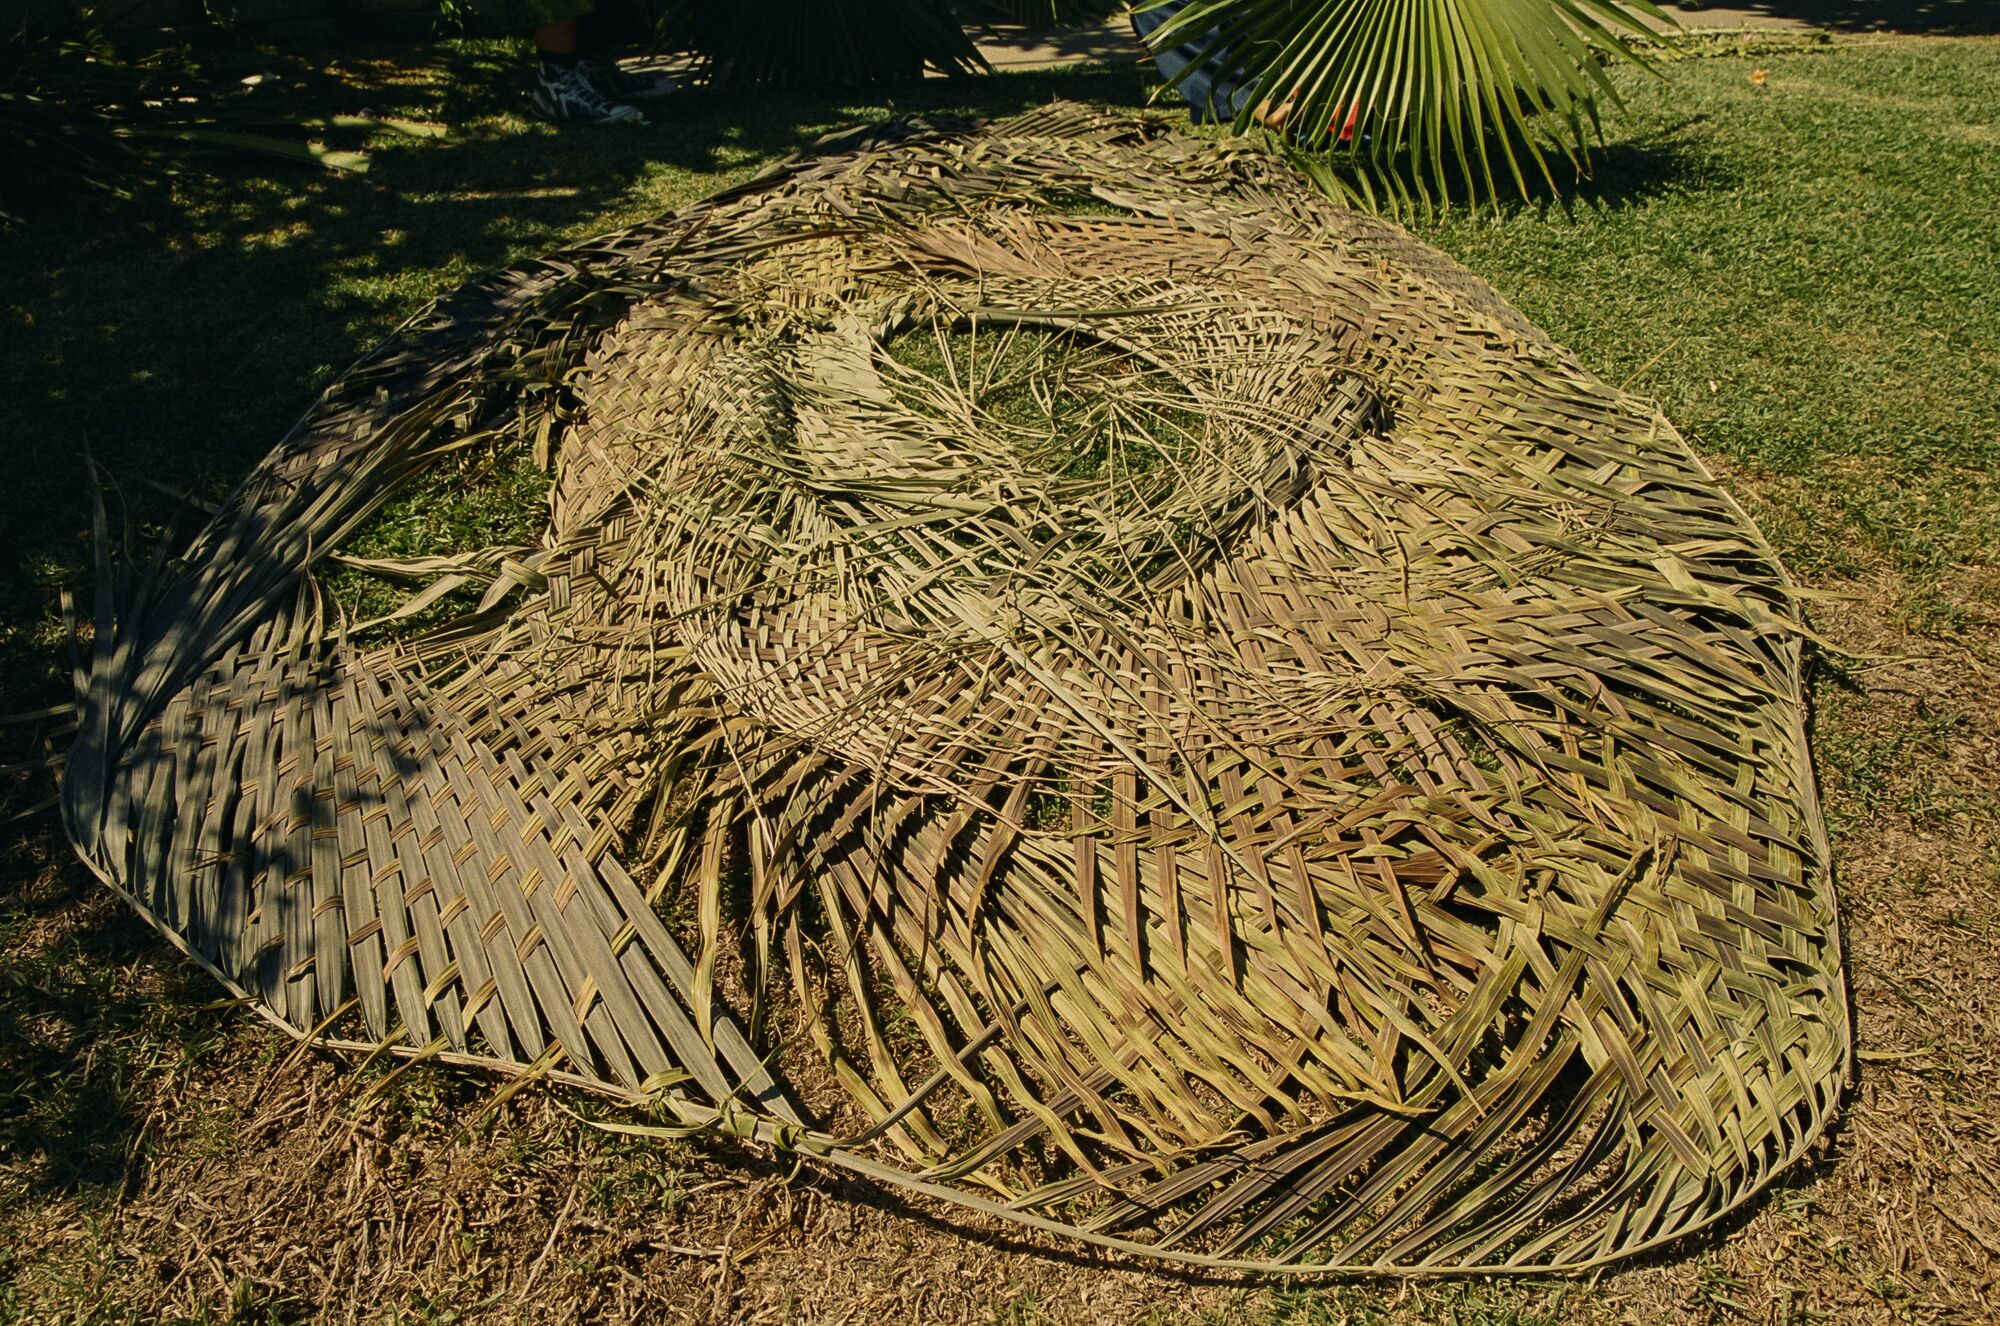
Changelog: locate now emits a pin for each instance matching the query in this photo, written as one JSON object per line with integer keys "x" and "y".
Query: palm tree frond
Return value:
{"x": 1065, "y": 673}
{"x": 1447, "y": 97}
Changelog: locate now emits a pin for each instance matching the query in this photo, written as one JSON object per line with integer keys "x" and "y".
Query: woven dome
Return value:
{"x": 1064, "y": 673}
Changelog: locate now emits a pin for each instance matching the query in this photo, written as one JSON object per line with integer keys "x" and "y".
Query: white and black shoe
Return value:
{"x": 618, "y": 84}
{"x": 565, "y": 94}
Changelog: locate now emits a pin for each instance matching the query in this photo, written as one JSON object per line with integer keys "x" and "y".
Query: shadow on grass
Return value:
{"x": 1638, "y": 170}
{"x": 83, "y": 1035}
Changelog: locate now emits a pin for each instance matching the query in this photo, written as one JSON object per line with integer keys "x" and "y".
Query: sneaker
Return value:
{"x": 564, "y": 94}
{"x": 618, "y": 85}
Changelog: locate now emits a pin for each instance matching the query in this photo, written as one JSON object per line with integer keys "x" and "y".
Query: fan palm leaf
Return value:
{"x": 1429, "y": 98}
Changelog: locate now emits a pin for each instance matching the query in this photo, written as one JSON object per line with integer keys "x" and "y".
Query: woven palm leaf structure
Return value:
{"x": 1064, "y": 673}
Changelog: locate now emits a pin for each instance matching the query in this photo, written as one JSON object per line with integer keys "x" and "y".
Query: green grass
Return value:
{"x": 1802, "y": 272}
{"x": 1030, "y": 381}
{"x": 492, "y": 496}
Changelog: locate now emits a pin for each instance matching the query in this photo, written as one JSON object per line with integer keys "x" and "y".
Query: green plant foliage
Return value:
{"x": 1400, "y": 100}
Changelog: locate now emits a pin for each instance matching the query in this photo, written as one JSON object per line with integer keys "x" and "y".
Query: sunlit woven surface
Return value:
{"x": 1064, "y": 672}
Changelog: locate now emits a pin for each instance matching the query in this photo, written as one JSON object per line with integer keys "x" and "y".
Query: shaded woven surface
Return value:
{"x": 1064, "y": 673}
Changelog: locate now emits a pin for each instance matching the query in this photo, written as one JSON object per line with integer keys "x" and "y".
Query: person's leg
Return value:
{"x": 562, "y": 91}
{"x": 1207, "y": 83}
{"x": 567, "y": 89}
{"x": 1198, "y": 65}
{"x": 557, "y": 39}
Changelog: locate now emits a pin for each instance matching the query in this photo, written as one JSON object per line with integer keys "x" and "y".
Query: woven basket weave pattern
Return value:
{"x": 1300, "y": 775}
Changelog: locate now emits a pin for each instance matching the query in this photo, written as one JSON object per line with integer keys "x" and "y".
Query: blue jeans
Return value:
{"x": 1210, "y": 95}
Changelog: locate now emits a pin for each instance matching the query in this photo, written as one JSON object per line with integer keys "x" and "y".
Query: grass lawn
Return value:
{"x": 1801, "y": 269}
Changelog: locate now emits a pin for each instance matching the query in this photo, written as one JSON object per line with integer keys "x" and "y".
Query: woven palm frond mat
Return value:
{"x": 1063, "y": 673}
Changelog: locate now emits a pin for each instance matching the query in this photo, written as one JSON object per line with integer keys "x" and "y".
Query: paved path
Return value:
{"x": 1010, "y": 46}
{"x": 1727, "y": 18}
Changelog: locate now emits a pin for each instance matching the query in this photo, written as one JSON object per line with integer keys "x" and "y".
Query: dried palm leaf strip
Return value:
{"x": 1064, "y": 673}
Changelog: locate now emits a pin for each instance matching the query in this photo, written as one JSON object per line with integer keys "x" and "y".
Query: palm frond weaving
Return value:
{"x": 1064, "y": 673}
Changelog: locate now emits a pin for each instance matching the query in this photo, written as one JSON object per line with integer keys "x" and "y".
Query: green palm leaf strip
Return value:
{"x": 1445, "y": 97}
